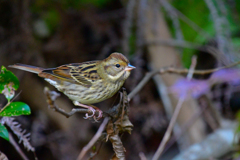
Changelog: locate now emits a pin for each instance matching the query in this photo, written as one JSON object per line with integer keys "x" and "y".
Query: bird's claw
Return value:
{"x": 96, "y": 118}
{"x": 92, "y": 115}
{"x": 99, "y": 116}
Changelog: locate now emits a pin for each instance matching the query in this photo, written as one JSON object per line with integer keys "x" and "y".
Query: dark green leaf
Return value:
{"x": 8, "y": 83}
{"x": 4, "y": 132}
{"x": 16, "y": 109}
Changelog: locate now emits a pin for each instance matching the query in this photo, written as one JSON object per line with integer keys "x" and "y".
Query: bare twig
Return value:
{"x": 173, "y": 15}
{"x": 217, "y": 24}
{"x": 10, "y": 102}
{"x": 190, "y": 22}
{"x": 224, "y": 13}
{"x": 192, "y": 67}
{"x": 186, "y": 44}
{"x": 169, "y": 129}
{"x": 149, "y": 75}
{"x": 141, "y": 20}
{"x": 94, "y": 154}
{"x": 175, "y": 115}
{"x": 17, "y": 148}
{"x": 142, "y": 156}
{"x": 185, "y": 127}
{"x": 94, "y": 139}
{"x": 5, "y": 106}
{"x": 127, "y": 26}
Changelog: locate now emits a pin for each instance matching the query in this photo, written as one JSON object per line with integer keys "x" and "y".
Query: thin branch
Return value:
{"x": 175, "y": 115}
{"x": 10, "y": 102}
{"x": 224, "y": 13}
{"x": 127, "y": 26}
{"x": 190, "y": 22}
{"x": 17, "y": 148}
{"x": 186, "y": 44}
{"x": 149, "y": 75}
{"x": 182, "y": 44}
{"x": 169, "y": 129}
{"x": 142, "y": 156}
{"x": 217, "y": 24}
{"x": 185, "y": 127}
{"x": 174, "y": 17}
{"x": 192, "y": 67}
{"x": 95, "y": 153}
{"x": 94, "y": 139}
{"x": 5, "y": 106}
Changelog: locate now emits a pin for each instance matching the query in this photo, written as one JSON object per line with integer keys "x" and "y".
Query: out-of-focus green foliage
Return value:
{"x": 198, "y": 12}
{"x": 7, "y": 77}
{"x": 4, "y": 132}
{"x": 79, "y": 4}
{"x": 8, "y": 84}
{"x": 49, "y": 10}
{"x": 52, "y": 19}
{"x": 16, "y": 109}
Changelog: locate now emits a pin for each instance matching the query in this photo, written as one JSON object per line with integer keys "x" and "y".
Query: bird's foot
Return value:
{"x": 92, "y": 115}
{"x": 100, "y": 113}
{"x": 96, "y": 118}
{"x": 93, "y": 109}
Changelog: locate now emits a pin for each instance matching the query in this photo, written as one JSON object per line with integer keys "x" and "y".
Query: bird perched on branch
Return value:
{"x": 88, "y": 82}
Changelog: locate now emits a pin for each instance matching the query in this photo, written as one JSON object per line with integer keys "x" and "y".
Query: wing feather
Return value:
{"x": 82, "y": 73}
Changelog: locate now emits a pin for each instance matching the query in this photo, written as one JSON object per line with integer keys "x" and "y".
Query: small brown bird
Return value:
{"x": 88, "y": 82}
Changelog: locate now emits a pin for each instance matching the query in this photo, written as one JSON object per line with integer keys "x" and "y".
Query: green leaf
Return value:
{"x": 4, "y": 132}
{"x": 16, "y": 109}
{"x": 8, "y": 83}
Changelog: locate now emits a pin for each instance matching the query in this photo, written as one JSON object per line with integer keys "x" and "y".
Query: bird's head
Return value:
{"x": 116, "y": 67}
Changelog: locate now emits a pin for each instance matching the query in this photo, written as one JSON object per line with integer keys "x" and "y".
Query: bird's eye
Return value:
{"x": 117, "y": 65}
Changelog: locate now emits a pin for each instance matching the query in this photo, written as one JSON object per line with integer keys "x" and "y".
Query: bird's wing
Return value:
{"x": 82, "y": 73}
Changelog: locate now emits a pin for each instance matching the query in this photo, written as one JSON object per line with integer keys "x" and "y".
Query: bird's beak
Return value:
{"x": 129, "y": 67}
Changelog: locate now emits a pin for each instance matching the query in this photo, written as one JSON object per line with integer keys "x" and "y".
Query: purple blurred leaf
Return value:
{"x": 226, "y": 75}
{"x": 195, "y": 88}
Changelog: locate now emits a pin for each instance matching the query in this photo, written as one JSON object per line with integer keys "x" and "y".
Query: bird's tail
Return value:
{"x": 28, "y": 68}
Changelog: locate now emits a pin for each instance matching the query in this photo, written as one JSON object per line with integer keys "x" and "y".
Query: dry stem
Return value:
{"x": 175, "y": 115}
{"x": 94, "y": 139}
{"x": 149, "y": 75}
{"x": 17, "y": 148}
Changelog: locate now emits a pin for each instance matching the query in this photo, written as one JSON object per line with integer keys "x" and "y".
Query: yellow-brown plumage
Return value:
{"x": 87, "y": 82}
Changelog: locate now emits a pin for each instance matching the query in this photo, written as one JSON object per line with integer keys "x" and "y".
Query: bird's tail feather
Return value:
{"x": 28, "y": 68}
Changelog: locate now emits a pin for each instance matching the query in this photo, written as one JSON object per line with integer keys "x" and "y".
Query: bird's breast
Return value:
{"x": 98, "y": 92}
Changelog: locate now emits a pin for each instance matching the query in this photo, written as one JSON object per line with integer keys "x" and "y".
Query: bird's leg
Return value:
{"x": 76, "y": 103}
{"x": 92, "y": 109}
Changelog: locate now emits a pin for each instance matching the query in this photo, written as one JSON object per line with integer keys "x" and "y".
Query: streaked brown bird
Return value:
{"x": 88, "y": 82}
